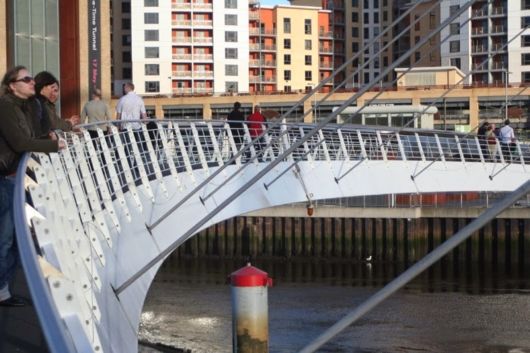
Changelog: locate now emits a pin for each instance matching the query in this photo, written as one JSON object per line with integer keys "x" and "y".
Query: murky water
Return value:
{"x": 452, "y": 308}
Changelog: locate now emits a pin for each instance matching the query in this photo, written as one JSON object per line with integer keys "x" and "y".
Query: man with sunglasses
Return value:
{"x": 17, "y": 136}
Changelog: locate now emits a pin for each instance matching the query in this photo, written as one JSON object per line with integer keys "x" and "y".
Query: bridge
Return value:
{"x": 105, "y": 212}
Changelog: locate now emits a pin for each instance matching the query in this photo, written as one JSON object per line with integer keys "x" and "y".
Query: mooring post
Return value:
{"x": 250, "y": 312}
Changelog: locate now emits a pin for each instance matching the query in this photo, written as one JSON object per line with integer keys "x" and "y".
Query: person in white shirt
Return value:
{"x": 507, "y": 137}
{"x": 131, "y": 107}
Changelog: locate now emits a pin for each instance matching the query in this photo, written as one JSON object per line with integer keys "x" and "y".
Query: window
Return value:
{"x": 152, "y": 86}
{"x": 525, "y": 5}
{"x": 355, "y": 17}
{"x": 355, "y": 32}
{"x": 150, "y": 3}
{"x": 230, "y": 53}
{"x": 152, "y": 69}
{"x": 230, "y": 4}
{"x": 126, "y": 73}
{"x": 230, "y": 36}
{"x": 355, "y": 47}
{"x": 287, "y": 25}
{"x": 152, "y": 53}
{"x": 376, "y": 17}
{"x": 126, "y": 7}
{"x": 366, "y": 18}
{"x": 525, "y": 41}
{"x": 287, "y": 59}
{"x": 308, "y": 59}
{"x": 366, "y": 33}
{"x": 456, "y": 62}
{"x": 308, "y": 75}
{"x": 454, "y": 28}
{"x": 126, "y": 56}
{"x": 454, "y": 46}
{"x": 231, "y": 70}
{"x": 453, "y": 9}
{"x": 417, "y": 56}
{"x": 525, "y": 59}
{"x": 231, "y": 86}
{"x": 126, "y": 39}
{"x": 151, "y": 35}
{"x": 307, "y": 26}
{"x": 417, "y": 24}
{"x": 151, "y": 18}
{"x": 525, "y": 77}
{"x": 231, "y": 20}
{"x": 287, "y": 75}
{"x": 287, "y": 44}
{"x": 126, "y": 23}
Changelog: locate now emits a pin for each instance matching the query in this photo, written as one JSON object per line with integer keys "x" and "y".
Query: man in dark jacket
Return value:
{"x": 235, "y": 119}
{"x": 17, "y": 135}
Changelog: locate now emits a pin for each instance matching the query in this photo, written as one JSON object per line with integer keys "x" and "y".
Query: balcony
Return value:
{"x": 479, "y": 49}
{"x": 203, "y": 90}
{"x": 181, "y": 6}
{"x": 202, "y": 23}
{"x": 480, "y": 13}
{"x": 258, "y": 63}
{"x": 498, "y": 65}
{"x": 253, "y": 15}
{"x": 181, "y": 73}
{"x": 264, "y": 47}
{"x": 325, "y": 66}
{"x": 498, "y": 29}
{"x": 263, "y": 32}
{"x": 498, "y": 11}
{"x": 203, "y": 57}
{"x": 182, "y": 57}
{"x": 203, "y": 74}
{"x": 182, "y": 91}
{"x": 325, "y": 34}
{"x": 203, "y": 40}
{"x": 181, "y": 40}
{"x": 199, "y": 6}
{"x": 181, "y": 23}
{"x": 476, "y": 31}
{"x": 325, "y": 50}
{"x": 499, "y": 47}
{"x": 260, "y": 79}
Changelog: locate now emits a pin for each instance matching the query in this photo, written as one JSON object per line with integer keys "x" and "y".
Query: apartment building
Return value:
{"x": 489, "y": 41}
{"x": 219, "y": 47}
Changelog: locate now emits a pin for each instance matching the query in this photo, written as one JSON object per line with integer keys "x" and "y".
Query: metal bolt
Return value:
{"x": 56, "y": 284}
{"x": 69, "y": 297}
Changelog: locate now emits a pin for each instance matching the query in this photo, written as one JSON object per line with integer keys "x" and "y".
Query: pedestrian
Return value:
{"x": 94, "y": 111}
{"x": 492, "y": 141}
{"x": 507, "y": 137}
{"x": 481, "y": 134}
{"x": 131, "y": 107}
{"x": 235, "y": 119}
{"x": 47, "y": 93}
{"x": 255, "y": 126}
{"x": 17, "y": 135}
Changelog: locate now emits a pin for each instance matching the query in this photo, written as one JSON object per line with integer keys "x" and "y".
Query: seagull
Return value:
{"x": 368, "y": 259}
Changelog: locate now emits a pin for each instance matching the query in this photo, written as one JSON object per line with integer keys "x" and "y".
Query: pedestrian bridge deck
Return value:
{"x": 106, "y": 211}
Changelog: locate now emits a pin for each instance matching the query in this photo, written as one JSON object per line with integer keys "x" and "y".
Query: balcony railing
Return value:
{"x": 202, "y": 6}
{"x": 203, "y": 23}
{"x": 181, "y": 23}
{"x": 498, "y": 29}
{"x": 265, "y": 32}
{"x": 203, "y": 57}
{"x": 498, "y": 11}
{"x": 325, "y": 50}
{"x": 186, "y": 57}
{"x": 180, "y": 73}
{"x": 181, "y": 40}
{"x": 182, "y": 91}
{"x": 262, "y": 63}
{"x": 181, "y": 6}
{"x": 478, "y": 30}
{"x": 202, "y": 39}
{"x": 203, "y": 74}
{"x": 480, "y": 49}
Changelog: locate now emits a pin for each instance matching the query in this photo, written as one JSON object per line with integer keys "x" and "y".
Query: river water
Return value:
{"x": 451, "y": 308}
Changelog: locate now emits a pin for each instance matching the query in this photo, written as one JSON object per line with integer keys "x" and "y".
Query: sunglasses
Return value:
{"x": 26, "y": 79}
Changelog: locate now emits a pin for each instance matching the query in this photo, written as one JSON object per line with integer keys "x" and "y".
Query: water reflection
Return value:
{"x": 445, "y": 276}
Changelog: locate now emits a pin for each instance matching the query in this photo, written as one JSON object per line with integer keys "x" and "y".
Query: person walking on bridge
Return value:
{"x": 235, "y": 119}
{"x": 18, "y": 134}
{"x": 507, "y": 137}
{"x": 94, "y": 111}
{"x": 255, "y": 126}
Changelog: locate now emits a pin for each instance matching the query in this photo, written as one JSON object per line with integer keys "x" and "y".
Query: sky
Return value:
{"x": 273, "y": 2}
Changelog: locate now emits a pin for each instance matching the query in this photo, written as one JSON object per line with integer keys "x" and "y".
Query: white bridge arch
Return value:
{"x": 103, "y": 209}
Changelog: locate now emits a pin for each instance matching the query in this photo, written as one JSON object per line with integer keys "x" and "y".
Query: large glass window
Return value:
{"x": 287, "y": 25}
{"x": 230, "y": 20}
{"x": 35, "y": 35}
{"x": 150, "y": 3}
{"x": 231, "y": 70}
{"x": 230, "y": 36}
{"x": 230, "y": 53}
{"x": 307, "y": 26}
